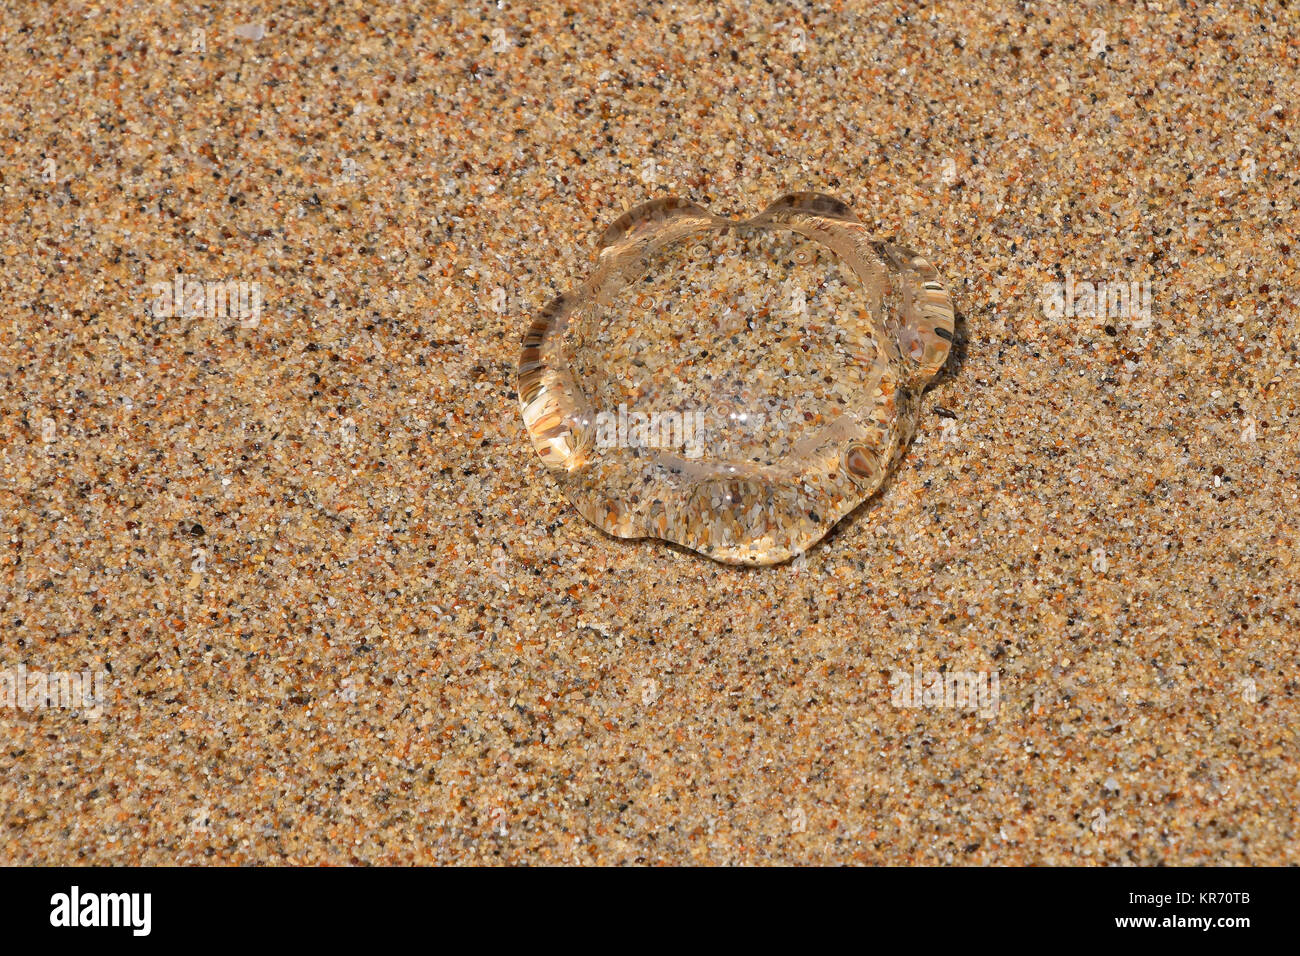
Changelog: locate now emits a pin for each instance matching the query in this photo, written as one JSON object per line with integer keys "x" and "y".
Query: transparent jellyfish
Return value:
{"x": 733, "y": 386}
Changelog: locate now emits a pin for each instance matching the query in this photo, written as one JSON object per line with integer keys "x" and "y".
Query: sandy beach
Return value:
{"x": 282, "y": 579}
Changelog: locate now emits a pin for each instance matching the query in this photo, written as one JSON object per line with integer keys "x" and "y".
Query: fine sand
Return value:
{"x": 340, "y": 612}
